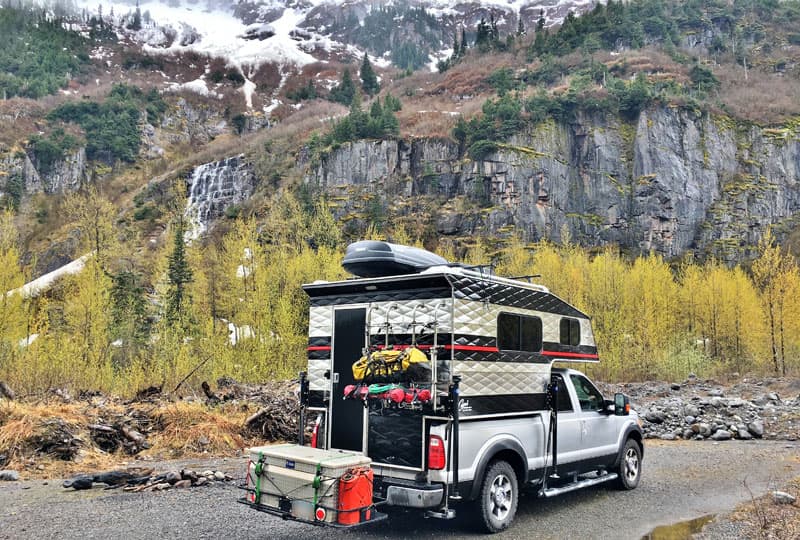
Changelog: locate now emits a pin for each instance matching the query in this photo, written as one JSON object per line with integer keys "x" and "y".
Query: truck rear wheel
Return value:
{"x": 499, "y": 497}
{"x": 630, "y": 466}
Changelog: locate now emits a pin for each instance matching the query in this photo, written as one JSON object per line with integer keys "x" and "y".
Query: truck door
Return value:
{"x": 569, "y": 430}
{"x": 346, "y": 424}
{"x": 599, "y": 431}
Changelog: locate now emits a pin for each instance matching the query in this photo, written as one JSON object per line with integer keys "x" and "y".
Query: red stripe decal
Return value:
{"x": 569, "y": 354}
{"x": 319, "y": 348}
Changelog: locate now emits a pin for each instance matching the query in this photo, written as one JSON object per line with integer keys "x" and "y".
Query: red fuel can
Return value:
{"x": 355, "y": 494}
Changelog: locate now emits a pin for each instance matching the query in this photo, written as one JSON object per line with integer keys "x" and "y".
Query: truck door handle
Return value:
{"x": 335, "y": 378}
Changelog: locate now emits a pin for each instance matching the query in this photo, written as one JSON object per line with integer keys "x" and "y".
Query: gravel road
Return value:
{"x": 682, "y": 480}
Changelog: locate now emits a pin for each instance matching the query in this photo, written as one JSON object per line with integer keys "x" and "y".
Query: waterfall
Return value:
{"x": 213, "y": 187}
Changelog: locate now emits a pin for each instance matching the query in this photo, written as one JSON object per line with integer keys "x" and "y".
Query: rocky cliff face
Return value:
{"x": 65, "y": 175}
{"x": 673, "y": 181}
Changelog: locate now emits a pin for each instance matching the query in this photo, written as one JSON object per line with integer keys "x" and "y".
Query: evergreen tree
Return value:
{"x": 463, "y": 50}
{"x": 540, "y": 22}
{"x": 136, "y": 22}
{"x": 179, "y": 275}
{"x": 344, "y": 92}
{"x": 369, "y": 81}
{"x": 520, "y": 27}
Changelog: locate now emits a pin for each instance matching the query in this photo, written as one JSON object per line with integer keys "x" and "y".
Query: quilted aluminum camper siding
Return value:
{"x": 494, "y": 381}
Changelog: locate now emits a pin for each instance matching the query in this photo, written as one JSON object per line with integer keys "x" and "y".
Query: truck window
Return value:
{"x": 570, "y": 332}
{"x": 519, "y": 333}
{"x": 589, "y": 397}
{"x": 563, "y": 402}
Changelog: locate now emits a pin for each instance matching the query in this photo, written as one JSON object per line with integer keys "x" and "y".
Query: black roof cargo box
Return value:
{"x": 373, "y": 258}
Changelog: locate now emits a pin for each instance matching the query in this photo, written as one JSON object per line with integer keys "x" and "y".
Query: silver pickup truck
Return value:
{"x": 594, "y": 440}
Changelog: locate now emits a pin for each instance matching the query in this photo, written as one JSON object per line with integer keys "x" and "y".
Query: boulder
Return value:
{"x": 721, "y": 435}
{"x": 781, "y": 497}
{"x": 9, "y": 476}
{"x": 756, "y": 428}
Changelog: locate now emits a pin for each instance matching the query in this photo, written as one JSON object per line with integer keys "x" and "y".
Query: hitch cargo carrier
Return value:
{"x": 320, "y": 487}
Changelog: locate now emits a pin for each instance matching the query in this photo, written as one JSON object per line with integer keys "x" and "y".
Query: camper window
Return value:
{"x": 519, "y": 333}
{"x": 570, "y": 332}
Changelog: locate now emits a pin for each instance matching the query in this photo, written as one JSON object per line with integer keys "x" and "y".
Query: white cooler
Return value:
{"x": 289, "y": 471}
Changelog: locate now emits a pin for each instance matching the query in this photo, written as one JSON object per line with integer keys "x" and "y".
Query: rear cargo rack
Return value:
{"x": 284, "y": 512}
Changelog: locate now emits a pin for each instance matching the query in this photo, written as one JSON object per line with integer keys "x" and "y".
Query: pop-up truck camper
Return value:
{"x": 431, "y": 386}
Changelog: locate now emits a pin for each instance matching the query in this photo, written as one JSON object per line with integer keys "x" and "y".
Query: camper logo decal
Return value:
{"x": 464, "y": 406}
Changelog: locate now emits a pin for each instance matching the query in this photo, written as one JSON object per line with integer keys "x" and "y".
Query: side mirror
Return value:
{"x": 608, "y": 407}
{"x": 622, "y": 404}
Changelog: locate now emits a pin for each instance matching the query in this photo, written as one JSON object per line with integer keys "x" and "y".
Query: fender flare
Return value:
{"x": 502, "y": 445}
{"x": 627, "y": 434}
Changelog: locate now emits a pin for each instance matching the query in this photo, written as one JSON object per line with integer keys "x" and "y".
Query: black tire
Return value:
{"x": 498, "y": 498}
{"x": 630, "y": 466}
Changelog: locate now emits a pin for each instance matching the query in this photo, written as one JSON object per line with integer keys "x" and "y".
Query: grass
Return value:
{"x": 763, "y": 518}
{"x": 193, "y": 429}
{"x": 180, "y": 429}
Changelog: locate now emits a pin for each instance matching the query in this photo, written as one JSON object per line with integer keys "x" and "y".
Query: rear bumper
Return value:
{"x": 408, "y": 493}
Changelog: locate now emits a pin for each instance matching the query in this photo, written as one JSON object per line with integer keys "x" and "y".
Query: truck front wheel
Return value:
{"x": 499, "y": 497}
{"x": 630, "y": 466}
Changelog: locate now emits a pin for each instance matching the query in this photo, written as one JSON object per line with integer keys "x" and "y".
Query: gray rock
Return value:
{"x": 690, "y": 419}
{"x": 171, "y": 477}
{"x": 691, "y": 410}
{"x": 781, "y": 497}
{"x": 721, "y": 435}
{"x": 675, "y": 386}
{"x": 773, "y": 396}
{"x": 687, "y": 434}
{"x": 704, "y": 429}
{"x": 760, "y": 400}
{"x": 756, "y": 428}
{"x": 208, "y": 473}
{"x": 201, "y": 481}
{"x": 9, "y": 476}
{"x": 736, "y": 402}
{"x": 219, "y": 476}
{"x": 655, "y": 416}
{"x": 716, "y": 392}
{"x": 744, "y": 435}
{"x": 668, "y": 437}
{"x": 181, "y": 484}
{"x": 717, "y": 402}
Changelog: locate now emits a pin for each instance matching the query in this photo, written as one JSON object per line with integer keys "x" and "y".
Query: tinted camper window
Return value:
{"x": 519, "y": 333}
{"x": 570, "y": 332}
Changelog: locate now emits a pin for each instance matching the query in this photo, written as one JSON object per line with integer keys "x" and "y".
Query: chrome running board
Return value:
{"x": 552, "y": 492}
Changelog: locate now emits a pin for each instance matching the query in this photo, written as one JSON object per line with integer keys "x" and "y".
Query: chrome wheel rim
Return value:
{"x": 631, "y": 465}
{"x": 501, "y": 496}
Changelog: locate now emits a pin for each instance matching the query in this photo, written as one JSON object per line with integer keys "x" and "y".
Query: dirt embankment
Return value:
{"x": 57, "y": 435}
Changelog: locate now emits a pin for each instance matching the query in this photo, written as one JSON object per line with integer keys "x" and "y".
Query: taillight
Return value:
{"x": 436, "y": 454}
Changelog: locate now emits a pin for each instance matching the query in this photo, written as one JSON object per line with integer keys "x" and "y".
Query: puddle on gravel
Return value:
{"x": 683, "y": 530}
